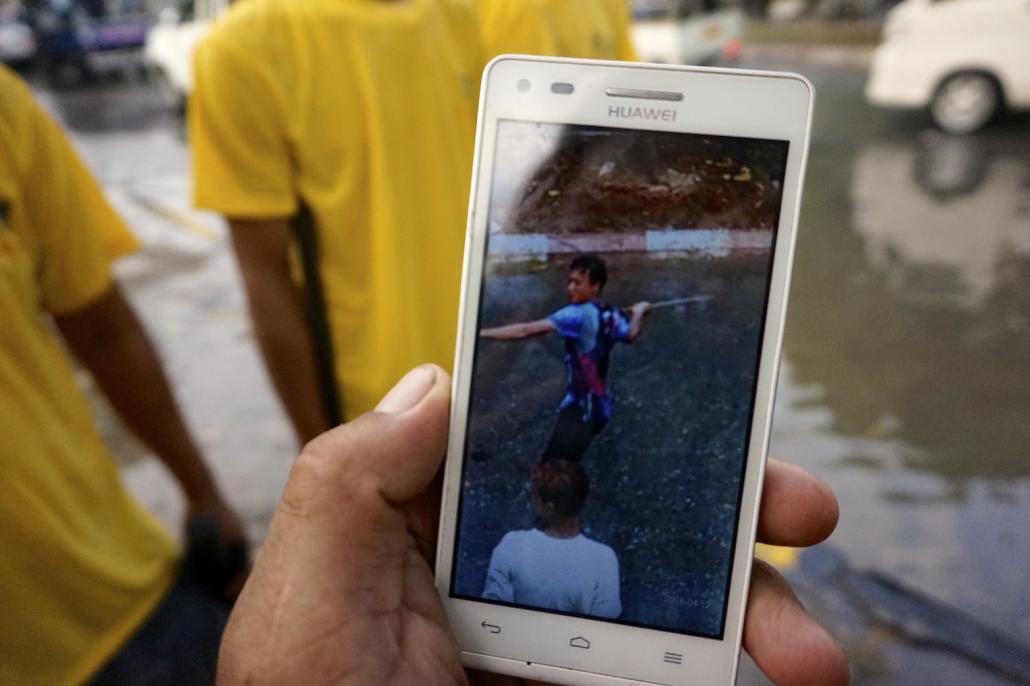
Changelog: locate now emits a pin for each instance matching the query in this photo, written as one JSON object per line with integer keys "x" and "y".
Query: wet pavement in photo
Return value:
{"x": 665, "y": 472}
{"x": 903, "y": 382}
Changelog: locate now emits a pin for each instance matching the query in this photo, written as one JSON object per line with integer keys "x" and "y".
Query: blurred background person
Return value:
{"x": 341, "y": 130}
{"x": 589, "y": 29}
{"x": 90, "y": 583}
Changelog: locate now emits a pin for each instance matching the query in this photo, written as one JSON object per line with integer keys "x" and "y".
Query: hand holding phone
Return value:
{"x": 342, "y": 590}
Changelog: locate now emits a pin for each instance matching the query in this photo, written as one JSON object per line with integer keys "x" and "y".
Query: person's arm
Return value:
{"x": 280, "y": 325}
{"x": 636, "y": 320}
{"x": 245, "y": 168}
{"x": 514, "y": 332}
{"x": 79, "y": 233}
{"x": 621, "y": 20}
{"x": 108, "y": 339}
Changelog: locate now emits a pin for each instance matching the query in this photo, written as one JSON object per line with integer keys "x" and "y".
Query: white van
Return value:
{"x": 966, "y": 60}
{"x": 168, "y": 52}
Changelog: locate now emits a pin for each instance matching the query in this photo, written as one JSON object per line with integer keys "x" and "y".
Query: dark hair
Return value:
{"x": 594, "y": 266}
{"x": 563, "y": 484}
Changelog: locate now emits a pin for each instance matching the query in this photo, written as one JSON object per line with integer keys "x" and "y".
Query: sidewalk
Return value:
{"x": 700, "y": 242}
{"x": 825, "y": 55}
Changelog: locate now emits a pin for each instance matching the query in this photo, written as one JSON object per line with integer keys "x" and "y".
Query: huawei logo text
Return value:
{"x": 647, "y": 113}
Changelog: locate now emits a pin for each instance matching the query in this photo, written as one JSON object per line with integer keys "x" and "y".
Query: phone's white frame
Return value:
{"x": 769, "y": 105}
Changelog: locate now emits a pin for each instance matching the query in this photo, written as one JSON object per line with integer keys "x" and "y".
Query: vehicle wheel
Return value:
{"x": 965, "y": 102}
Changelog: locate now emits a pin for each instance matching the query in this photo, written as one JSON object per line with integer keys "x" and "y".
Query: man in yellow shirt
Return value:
{"x": 87, "y": 577}
{"x": 588, "y": 29}
{"x": 341, "y": 131}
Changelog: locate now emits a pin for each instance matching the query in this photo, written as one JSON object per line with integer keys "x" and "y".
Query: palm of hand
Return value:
{"x": 380, "y": 622}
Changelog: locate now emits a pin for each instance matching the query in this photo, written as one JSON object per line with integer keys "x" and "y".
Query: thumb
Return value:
{"x": 344, "y": 492}
{"x": 345, "y": 489}
{"x": 338, "y": 540}
{"x": 398, "y": 447}
{"x": 392, "y": 452}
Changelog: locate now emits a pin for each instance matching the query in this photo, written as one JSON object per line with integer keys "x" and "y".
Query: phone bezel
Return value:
{"x": 725, "y": 102}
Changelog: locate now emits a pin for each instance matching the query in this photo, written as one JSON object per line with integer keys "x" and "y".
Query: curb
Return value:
{"x": 848, "y": 56}
{"x": 700, "y": 242}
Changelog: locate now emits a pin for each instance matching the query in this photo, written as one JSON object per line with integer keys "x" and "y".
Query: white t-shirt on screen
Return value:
{"x": 567, "y": 574}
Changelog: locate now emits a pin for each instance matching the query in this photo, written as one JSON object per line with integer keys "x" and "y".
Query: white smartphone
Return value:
{"x": 625, "y": 283}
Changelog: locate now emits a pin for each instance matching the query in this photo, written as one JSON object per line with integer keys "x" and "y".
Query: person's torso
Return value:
{"x": 80, "y": 557}
{"x": 566, "y": 28}
{"x": 379, "y": 104}
{"x": 587, "y": 355}
{"x": 559, "y": 573}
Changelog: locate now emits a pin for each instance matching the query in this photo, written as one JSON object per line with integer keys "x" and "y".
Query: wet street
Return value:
{"x": 904, "y": 381}
{"x": 903, "y": 386}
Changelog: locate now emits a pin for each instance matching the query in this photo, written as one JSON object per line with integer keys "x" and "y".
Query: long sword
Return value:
{"x": 681, "y": 301}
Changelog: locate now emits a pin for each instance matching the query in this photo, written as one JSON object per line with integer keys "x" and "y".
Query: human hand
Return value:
{"x": 217, "y": 553}
{"x": 641, "y": 308}
{"x": 214, "y": 505}
{"x": 342, "y": 591}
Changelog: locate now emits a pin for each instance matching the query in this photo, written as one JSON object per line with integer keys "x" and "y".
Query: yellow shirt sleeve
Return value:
{"x": 516, "y": 27}
{"x": 241, "y": 157}
{"x": 621, "y": 25}
{"x": 589, "y": 28}
{"x": 467, "y": 19}
{"x": 79, "y": 231}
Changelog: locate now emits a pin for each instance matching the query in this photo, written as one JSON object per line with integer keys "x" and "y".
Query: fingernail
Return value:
{"x": 408, "y": 391}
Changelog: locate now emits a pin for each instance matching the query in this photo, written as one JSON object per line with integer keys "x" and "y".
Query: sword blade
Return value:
{"x": 680, "y": 301}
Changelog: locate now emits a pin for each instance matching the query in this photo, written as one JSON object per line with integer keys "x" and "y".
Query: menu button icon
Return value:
{"x": 674, "y": 658}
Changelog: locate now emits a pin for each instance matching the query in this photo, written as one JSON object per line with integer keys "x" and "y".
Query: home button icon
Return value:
{"x": 580, "y": 642}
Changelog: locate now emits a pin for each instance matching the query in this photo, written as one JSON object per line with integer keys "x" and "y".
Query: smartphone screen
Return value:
{"x": 614, "y": 376}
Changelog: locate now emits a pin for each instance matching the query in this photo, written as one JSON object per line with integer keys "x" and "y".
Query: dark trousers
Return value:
{"x": 572, "y": 434}
{"x": 177, "y": 646}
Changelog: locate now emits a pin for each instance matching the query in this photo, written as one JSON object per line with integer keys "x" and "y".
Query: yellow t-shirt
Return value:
{"x": 588, "y": 29}
{"x": 364, "y": 110}
{"x": 81, "y": 563}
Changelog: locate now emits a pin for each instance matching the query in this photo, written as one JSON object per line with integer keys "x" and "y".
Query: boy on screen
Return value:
{"x": 590, "y": 330}
{"x": 554, "y": 566}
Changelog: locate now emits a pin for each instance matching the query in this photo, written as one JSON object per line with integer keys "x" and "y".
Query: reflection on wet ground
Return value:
{"x": 903, "y": 388}
{"x": 904, "y": 382}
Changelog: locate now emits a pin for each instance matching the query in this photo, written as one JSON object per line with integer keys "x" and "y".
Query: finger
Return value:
{"x": 797, "y": 508}
{"x": 423, "y": 515}
{"x": 408, "y": 391}
{"x": 785, "y": 642}
{"x": 359, "y": 473}
{"x": 399, "y": 447}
